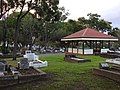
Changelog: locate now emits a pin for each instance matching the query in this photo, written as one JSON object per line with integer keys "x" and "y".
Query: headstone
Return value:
{"x": 24, "y": 64}
{"x": 70, "y": 55}
{"x": 117, "y": 59}
{"x": 30, "y": 56}
{"x": 2, "y": 68}
{"x": 14, "y": 71}
{"x": 1, "y": 74}
{"x": 7, "y": 68}
{"x": 28, "y": 51}
{"x": 103, "y": 65}
{"x": 3, "y": 61}
{"x": 6, "y": 65}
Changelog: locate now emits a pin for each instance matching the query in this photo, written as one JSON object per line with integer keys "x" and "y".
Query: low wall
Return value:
{"x": 104, "y": 50}
{"x": 88, "y": 51}
{"x": 80, "y": 51}
{"x": 108, "y": 74}
{"x": 110, "y": 55}
{"x": 69, "y": 49}
{"x": 74, "y": 50}
{"x": 10, "y": 80}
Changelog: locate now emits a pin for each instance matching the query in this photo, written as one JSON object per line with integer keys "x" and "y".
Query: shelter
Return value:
{"x": 88, "y": 41}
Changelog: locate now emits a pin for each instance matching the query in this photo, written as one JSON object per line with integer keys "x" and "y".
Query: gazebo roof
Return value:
{"x": 89, "y": 34}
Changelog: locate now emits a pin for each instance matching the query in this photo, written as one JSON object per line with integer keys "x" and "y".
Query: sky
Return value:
{"x": 108, "y": 9}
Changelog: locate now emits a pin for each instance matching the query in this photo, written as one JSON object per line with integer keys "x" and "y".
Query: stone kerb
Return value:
{"x": 10, "y": 80}
{"x": 108, "y": 74}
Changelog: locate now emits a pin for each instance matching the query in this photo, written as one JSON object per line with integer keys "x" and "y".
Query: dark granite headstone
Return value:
{"x": 24, "y": 64}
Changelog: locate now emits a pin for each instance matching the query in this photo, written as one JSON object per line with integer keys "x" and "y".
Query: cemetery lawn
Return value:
{"x": 63, "y": 75}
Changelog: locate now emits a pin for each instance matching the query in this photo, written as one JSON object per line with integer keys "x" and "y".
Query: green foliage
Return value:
{"x": 11, "y": 62}
{"x": 48, "y": 11}
{"x": 96, "y": 23}
{"x": 50, "y": 15}
{"x": 29, "y": 28}
{"x": 5, "y": 50}
{"x": 93, "y": 22}
{"x": 5, "y": 6}
{"x": 116, "y": 32}
{"x": 46, "y": 24}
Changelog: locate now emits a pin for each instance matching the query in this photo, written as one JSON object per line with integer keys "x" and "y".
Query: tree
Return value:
{"x": 22, "y": 14}
{"x": 115, "y": 32}
{"x": 48, "y": 13}
{"x": 29, "y": 29}
{"x": 1, "y": 32}
{"x": 4, "y": 38}
{"x": 95, "y": 22}
{"x": 6, "y": 6}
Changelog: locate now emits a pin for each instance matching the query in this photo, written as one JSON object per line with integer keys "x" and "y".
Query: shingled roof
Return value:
{"x": 89, "y": 33}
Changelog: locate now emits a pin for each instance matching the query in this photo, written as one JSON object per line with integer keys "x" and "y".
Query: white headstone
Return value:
{"x": 30, "y": 56}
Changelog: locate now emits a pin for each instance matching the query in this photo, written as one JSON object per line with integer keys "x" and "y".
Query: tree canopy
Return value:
{"x": 46, "y": 23}
{"x": 46, "y": 11}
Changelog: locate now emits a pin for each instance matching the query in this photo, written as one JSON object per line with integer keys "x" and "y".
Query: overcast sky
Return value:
{"x": 108, "y": 9}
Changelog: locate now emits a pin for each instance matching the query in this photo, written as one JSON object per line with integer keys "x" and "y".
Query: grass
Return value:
{"x": 69, "y": 76}
{"x": 12, "y": 62}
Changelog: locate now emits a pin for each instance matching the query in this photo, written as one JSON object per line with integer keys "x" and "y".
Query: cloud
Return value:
{"x": 113, "y": 16}
{"x": 108, "y": 9}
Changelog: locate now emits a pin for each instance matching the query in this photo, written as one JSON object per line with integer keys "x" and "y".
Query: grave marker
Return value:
{"x": 2, "y": 68}
{"x": 24, "y": 64}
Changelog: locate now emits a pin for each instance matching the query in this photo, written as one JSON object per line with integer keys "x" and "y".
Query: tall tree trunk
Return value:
{"x": 4, "y": 50}
{"x": 30, "y": 41}
{"x": 16, "y": 38}
{"x": 46, "y": 36}
{"x": 19, "y": 18}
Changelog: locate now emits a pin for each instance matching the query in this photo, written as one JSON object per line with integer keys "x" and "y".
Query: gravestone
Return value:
{"x": 104, "y": 65}
{"x": 2, "y": 68}
{"x": 34, "y": 61}
{"x": 3, "y": 61}
{"x": 23, "y": 64}
{"x": 30, "y": 56}
{"x": 117, "y": 59}
{"x": 14, "y": 71}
